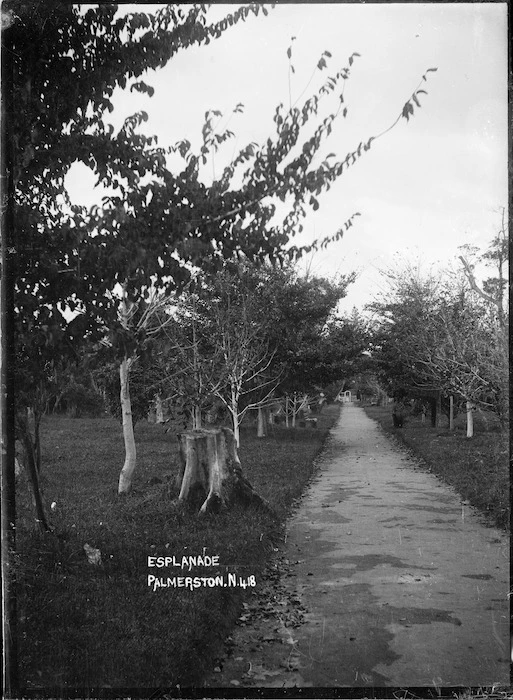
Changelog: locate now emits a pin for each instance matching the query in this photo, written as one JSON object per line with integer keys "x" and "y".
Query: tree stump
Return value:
{"x": 210, "y": 467}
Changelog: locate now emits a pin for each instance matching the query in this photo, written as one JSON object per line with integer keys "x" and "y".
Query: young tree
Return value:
{"x": 241, "y": 332}
{"x": 221, "y": 343}
{"x": 138, "y": 323}
{"x": 191, "y": 364}
{"x": 400, "y": 317}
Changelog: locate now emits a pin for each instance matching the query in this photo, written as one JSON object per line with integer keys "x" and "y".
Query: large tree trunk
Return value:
{"x": 125, "y": 477}
{"x": 261, "y": 423}
{"x": 470, "y": 420}
{"x": 210, "y": 469}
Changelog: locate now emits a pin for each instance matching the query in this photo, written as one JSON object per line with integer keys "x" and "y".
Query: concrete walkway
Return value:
{"x": 387, "y": 579}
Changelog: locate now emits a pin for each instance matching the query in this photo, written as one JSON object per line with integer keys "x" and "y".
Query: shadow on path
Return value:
{"x": 386, "y": 579}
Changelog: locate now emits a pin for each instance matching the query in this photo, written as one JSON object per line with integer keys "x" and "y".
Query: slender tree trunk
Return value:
{"x": 294, "y": 404}
{"x": 236, "y": 427}
{"x": 287, "y": 403}
{"x": 41, "y": 521}
{"x": 470, "y": 420}
{"x": 125, "y": 477}
{"x": 57, "y": 404}
{"x": 159, "y": 411}
{"x": 451, "y": 412}
{"x": 196, "y": 418}
{"x": 33, "y": 420}
{"x": 261, "y": 423}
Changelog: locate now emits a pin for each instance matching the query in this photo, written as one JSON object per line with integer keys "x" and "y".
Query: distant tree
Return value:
{"x": 468, "y": 357}
{"x": 302, "y": 311}
{"x": 400, "y": 318}
{"x": 444, "y": 336}
{"x": 342, "y": 349}
{"x": 493, "y": 288}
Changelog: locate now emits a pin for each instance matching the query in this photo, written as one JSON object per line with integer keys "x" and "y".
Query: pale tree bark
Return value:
{"x": 211, "y": 472}
{"x": 234, "y": 410}
{"x": 261, "y": 423}
{"x": 451, "y": 412}
{"x": 125, "y": 477}
{"x": 159, "y": 409}
{"x": 470, "y": 420}
{"x": 149, "y": 321}
{"x": 293, "y": 406}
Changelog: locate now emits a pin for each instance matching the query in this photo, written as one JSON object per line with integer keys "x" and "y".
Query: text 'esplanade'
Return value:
{"x": 184, "y": 562}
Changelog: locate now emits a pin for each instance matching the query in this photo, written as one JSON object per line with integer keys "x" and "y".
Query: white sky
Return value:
{"x": 426, "y": 187}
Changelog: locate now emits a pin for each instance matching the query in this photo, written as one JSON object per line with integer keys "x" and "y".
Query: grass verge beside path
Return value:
{"x": 82, "y": 625}
{"x": 477, "y": 467}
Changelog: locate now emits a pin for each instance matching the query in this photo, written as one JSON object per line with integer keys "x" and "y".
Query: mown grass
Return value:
{"x": 477, "y": 467}
{"x": 82, "y": 625}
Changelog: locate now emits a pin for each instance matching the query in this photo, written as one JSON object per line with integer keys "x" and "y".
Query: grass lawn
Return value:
{"x": 82, "y": 625}
{"x": 476, "y": 467}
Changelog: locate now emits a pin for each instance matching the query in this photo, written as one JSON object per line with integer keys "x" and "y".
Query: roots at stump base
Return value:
{"x": 210, "y": 464}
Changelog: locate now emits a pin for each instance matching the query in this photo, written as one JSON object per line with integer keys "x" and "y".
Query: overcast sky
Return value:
{"x": 426, "y": 187}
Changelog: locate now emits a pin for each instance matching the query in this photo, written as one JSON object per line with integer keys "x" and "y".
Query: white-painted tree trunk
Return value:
{"x": 470, "y": 420}
{"x": 233, "y": 410}
{"x": 125, "y": 477}
{"x": 236, "y": 428}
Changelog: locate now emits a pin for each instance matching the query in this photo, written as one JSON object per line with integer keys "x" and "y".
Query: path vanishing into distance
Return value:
{"x": 387, "y": 578}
